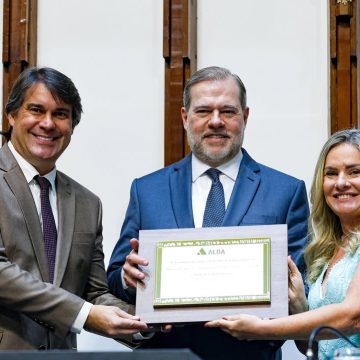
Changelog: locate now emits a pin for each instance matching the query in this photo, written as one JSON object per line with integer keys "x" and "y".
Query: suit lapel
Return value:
{"x": 66, "y": 209}
{"x": 20, "y": 188}
{"x": 245, "y": 188}
{"x": 180, "y": 188}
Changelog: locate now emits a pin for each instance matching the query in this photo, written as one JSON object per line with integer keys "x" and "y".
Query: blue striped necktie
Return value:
{"x": 215, "y": 204}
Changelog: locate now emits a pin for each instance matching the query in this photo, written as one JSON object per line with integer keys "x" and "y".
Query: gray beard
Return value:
{"x": 209, "y": 158}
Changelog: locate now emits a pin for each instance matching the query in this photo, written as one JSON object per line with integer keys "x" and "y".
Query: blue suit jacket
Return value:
{"x": 162, "y": 200}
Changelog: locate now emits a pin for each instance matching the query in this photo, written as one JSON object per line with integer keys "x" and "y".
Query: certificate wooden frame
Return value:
{"x": 277, "y": 307}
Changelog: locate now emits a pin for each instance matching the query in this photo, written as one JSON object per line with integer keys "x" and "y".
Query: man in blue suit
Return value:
{"x": 215, "y": 116}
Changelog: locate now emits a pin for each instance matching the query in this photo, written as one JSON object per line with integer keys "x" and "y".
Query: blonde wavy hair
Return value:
{"x": 324, "y": 226}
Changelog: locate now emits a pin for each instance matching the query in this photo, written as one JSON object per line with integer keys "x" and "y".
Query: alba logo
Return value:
{"x": 211, "y": 252}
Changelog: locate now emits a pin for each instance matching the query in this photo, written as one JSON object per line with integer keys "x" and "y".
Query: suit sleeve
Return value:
{"x": 97, "y": 290}
{"x": 51, "y": 306}
{"x": 130, "y": 229}
{"x": 45, "y": 303}
{"x": 297, "y": 220}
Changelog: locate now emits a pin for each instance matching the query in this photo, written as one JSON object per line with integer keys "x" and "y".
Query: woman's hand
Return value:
{"x": 242, "y": 327}
{"x": 297, "y": 298}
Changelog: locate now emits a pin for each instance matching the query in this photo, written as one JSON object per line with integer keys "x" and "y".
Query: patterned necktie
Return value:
{"x": 49, "y": 226}
{"x": 215, "y": 204}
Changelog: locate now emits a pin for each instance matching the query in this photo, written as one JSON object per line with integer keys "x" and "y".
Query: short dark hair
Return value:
{"x": 213, "y": 73}
{"x": 60, "y": 86}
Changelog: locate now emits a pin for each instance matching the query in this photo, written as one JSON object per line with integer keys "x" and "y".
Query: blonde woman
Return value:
{"x": 332, "y": 257}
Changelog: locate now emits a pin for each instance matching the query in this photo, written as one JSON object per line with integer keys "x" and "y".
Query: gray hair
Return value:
{"x": 213, "y": 73}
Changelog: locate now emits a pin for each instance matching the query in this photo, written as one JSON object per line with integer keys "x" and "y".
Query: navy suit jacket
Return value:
{"x": 162, "y": 200}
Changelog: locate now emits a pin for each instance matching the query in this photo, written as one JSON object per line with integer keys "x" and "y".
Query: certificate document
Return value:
{"x": 211, "y": 272}
{"x": 197, "y": 275}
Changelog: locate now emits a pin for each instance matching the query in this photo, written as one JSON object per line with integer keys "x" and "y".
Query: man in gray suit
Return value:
{"x": 52, "y": 276}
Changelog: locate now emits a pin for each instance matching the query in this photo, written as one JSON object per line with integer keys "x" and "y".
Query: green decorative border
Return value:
{"x": 158, "y": 262}
{"x": 267, "y": 268}
{"x": 213, "y": 300}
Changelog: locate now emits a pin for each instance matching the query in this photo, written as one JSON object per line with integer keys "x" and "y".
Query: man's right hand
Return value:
{"x": 112, "y": 322}
{"x": 131, "y": 272}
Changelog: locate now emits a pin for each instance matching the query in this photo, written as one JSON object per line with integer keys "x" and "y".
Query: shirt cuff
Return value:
{"x": 143, "y": 335}
{"x": 79, "y": 322}
{"x": 122, "y": 280}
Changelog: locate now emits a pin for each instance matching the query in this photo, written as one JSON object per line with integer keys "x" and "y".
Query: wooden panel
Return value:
{"x": 343, "y": 76}
{"x": 19, "y": 42}
{"x": 343, "y": 65}
{"x": 333, "y": 100}
{"x": 354, "y": 91}
{"x": 357, "y": 54}
{"x": 166, "y": 29}
{"x": 332, "y": 22}
{"x": 179, "y": 51}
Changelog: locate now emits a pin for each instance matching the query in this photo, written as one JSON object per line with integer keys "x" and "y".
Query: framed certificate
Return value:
{"x": 212, "y": 272}
{"x": 197, "y": 275}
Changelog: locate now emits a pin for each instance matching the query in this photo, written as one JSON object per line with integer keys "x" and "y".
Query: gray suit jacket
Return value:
{"x": 35, "y": 314}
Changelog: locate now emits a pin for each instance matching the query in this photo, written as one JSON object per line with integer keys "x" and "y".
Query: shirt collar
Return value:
{"x": 230, "y": 168}
{"x": 29, "y": 170}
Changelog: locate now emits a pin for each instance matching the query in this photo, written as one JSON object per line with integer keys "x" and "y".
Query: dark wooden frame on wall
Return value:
{"x": 19, "y": 42}
{"x": 344, "y": 61}
{"x": 180, "y": 52}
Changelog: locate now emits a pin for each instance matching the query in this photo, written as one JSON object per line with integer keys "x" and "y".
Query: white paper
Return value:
{"x": 213, "y": 271}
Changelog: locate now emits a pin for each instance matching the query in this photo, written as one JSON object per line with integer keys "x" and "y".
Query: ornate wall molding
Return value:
{"x": 344, "y": 2}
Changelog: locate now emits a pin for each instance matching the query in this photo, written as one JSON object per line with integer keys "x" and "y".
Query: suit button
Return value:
{"x": 42, "y": 347}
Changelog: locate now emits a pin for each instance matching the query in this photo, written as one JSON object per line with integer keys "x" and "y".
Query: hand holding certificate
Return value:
{"x": 132, "y": 273}
{"x": 197, "y": 275}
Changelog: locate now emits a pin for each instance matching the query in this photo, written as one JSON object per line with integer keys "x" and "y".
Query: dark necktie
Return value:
{"x": 49, "y": 226}
{"x": 215, "y": 204}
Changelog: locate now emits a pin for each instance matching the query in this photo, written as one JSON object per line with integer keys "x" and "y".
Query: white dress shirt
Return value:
{"x": 30, "y": 172}
{"x": 201, "y": 184}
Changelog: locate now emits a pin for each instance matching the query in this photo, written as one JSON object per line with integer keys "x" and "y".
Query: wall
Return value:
{"x": 113, "y": 51}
